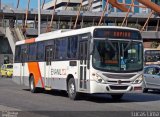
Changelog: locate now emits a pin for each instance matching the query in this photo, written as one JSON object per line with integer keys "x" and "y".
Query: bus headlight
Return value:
{"x": 99, "y": 79}
{"x": 138, "y": 80}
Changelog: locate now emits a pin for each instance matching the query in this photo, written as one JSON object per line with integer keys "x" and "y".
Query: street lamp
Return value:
{"x": 5, "y": 25}
{"x": 39, "y": 17}
{"x": 0, "y": 4}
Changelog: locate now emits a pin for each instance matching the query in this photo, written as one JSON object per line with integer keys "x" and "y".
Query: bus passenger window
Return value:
{"x": 17, "y": 53}
{"x": 72, "y": 47}
{"x": 40, "y": 51}
{"x": 61, "y": 46}
{"x": 32, "y": 52}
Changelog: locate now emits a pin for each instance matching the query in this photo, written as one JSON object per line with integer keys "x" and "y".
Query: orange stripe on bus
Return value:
{"x": 32, "y": 40}
{"x": 35, "y": 70}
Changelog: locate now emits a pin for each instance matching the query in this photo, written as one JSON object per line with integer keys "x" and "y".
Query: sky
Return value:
{"x": 23, "y": 3}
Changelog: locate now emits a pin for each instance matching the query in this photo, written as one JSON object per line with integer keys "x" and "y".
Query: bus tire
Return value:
{"x": 117, "y": 96}
{"x": 145, "y": 90}
{"x": 72, "y": 94}
{"x": 33, "y": 89}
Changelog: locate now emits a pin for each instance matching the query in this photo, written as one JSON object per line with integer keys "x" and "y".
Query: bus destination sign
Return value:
{"x": 117, "y": 33}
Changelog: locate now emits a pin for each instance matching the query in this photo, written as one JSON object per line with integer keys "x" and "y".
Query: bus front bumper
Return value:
{"x": 115, "y": 88}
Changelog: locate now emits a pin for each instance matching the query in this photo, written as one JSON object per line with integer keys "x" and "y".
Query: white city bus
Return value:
{"x": 99, "y": 59}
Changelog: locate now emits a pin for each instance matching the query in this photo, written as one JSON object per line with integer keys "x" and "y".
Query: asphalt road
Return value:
{"x": 14, "y": 97}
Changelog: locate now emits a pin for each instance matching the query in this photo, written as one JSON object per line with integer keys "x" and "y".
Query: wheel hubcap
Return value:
{"x": 32, "y": 85}
{"x": 72, "y": 89}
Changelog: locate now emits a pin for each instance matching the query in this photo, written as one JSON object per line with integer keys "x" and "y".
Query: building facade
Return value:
{"x": 61, "y": 4}
{"x": 99, "y": 5}
{"x": 96, "y": 5}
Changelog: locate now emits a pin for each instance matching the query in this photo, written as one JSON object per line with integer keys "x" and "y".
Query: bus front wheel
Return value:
{"x": 72, "y": 89}
{"x": 32, "y": 84}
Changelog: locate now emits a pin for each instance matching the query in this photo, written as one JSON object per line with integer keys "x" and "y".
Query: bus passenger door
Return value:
{"x": 48, "y": 61}
{"x": 83, "y": 71}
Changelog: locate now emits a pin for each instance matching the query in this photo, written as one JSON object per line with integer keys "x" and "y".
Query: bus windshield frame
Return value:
{"x": 125, "y": 54}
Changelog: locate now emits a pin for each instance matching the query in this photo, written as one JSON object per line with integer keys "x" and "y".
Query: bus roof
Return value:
{"x": 66, "y": 32}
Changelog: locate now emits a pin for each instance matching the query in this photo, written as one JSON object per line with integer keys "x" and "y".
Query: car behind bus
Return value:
{"x": 152, "y": 78}
{"x": 7, "y": 70}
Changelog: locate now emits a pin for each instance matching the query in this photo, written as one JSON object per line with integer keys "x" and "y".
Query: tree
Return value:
{"x": 155, "y": 44}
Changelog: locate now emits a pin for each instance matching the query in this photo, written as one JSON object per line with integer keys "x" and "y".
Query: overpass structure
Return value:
{"x": 10, "y": 19}
{"x": 147, "y": 3}
{"x": 151, "y": 5}
{"x": 65, "y": 19}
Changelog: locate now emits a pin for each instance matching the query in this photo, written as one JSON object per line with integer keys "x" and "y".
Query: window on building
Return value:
{"x": 5, "y": 47}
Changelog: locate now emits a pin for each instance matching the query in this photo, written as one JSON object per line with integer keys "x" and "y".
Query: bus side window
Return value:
{"x": 17, "y": 53}
{"x": 49, "y": 53}
{"x": 40, "y": 51}
{"x": 32, "y": 52}
{"x": 56, "y": 49}
{"x": 24, "y": 53}
{"x": 61, "y": 49}
{"x": 72, "y": 47}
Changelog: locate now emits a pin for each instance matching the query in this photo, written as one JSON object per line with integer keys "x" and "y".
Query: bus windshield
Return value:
{"x": 152, "y": 55}
{"x": 117, "y": 56}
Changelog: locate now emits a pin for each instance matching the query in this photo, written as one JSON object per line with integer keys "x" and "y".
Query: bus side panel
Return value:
{"x": 21, "y": 74}
{"x": 34, "y": 68}
{"x": 16, "y": 73}
{"x": 41, "y": 82}
{"x": 59, "y": 72}
{"x": 74, "y": 71}
{"x": 25, "y": 75}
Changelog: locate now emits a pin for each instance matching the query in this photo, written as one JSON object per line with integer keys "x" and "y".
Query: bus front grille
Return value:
{"x": 119, "y": 76}
{"x": 118, "y": 87}
{"x": 117, "y": 81}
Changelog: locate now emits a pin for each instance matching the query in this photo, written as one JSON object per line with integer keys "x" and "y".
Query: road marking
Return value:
{"x": 5, "y": 108}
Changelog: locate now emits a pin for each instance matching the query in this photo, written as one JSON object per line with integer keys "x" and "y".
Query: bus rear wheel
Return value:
{"x": 33, "y": 89}
{"x": 72, "y": 89}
